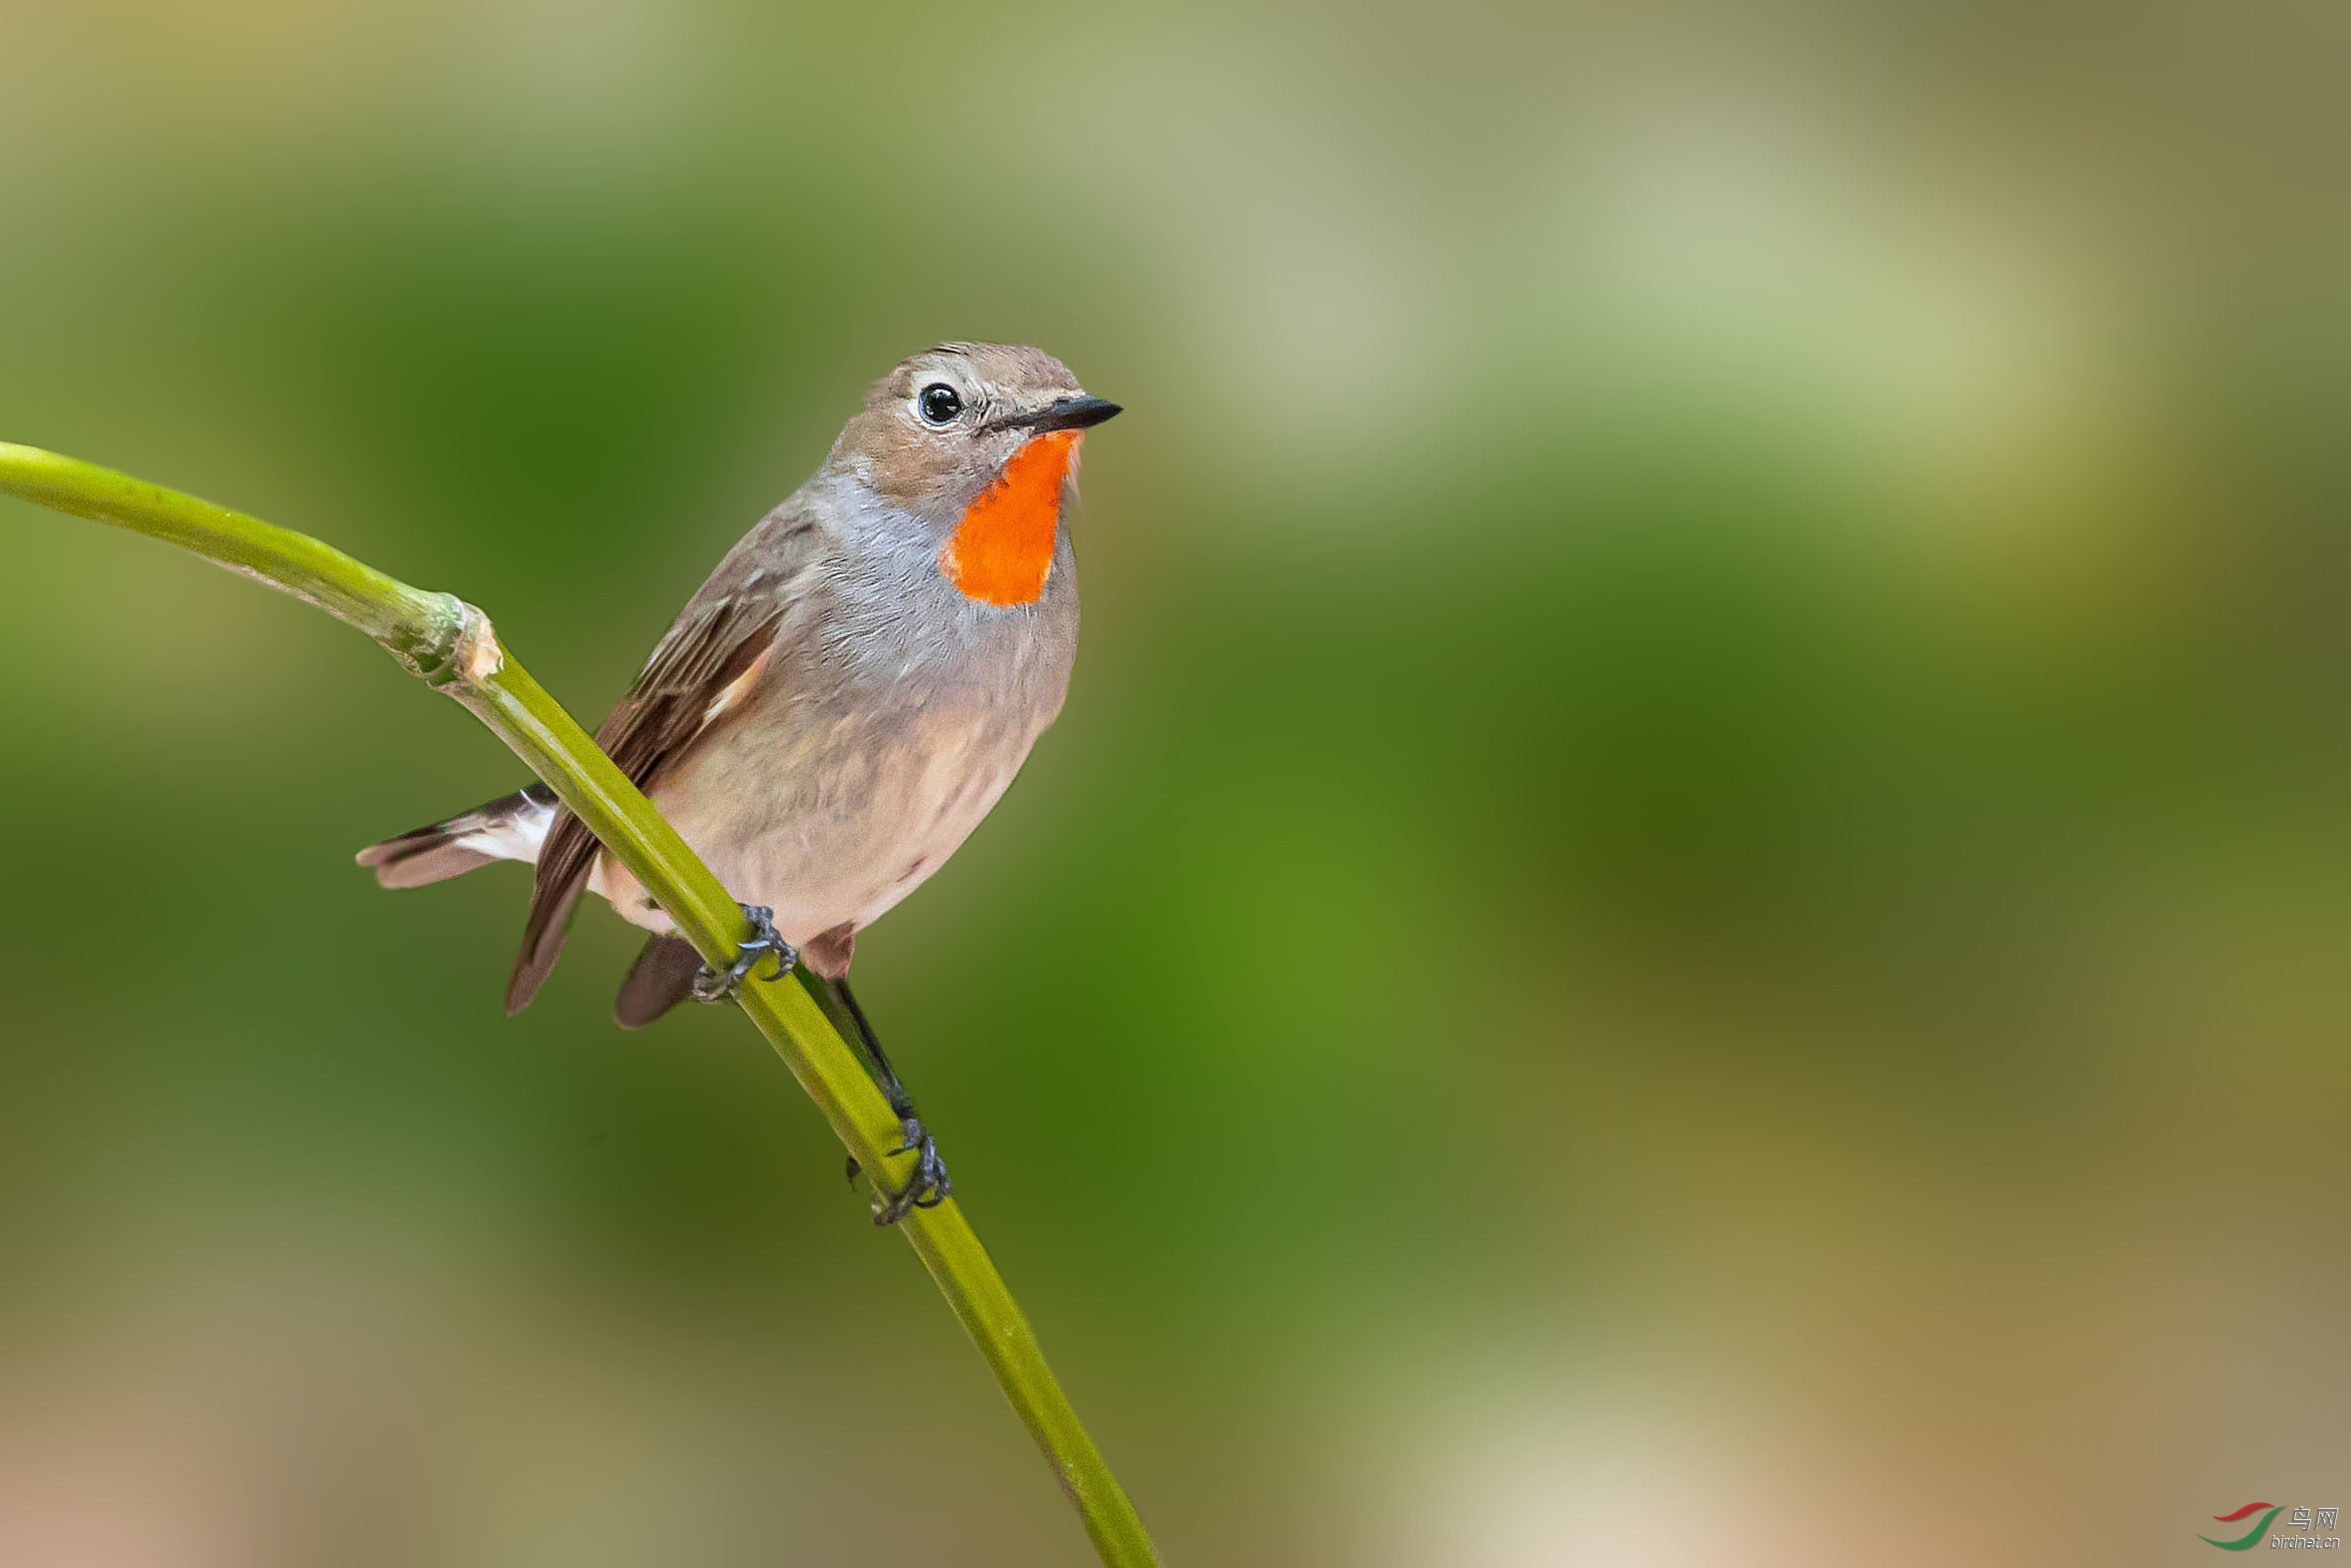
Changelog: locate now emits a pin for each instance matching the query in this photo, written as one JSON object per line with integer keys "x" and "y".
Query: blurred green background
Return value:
{"x": 1691, "y": 906}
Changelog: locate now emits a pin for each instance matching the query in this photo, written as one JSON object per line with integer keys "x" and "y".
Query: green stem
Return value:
{"x": 452, "y": 646}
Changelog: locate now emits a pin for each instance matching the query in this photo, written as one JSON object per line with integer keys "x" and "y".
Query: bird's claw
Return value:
{"x": 926, "y": 1185}
{"x": 713, "y": 984}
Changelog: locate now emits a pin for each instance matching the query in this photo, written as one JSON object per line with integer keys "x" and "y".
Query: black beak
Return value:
{"x": 1068, "y": 414}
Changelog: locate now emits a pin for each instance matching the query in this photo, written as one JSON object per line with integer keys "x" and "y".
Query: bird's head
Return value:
{"x": 980, "y": 441}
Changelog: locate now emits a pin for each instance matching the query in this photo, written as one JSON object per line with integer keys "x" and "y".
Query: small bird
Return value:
{"x": 839, "y": 705}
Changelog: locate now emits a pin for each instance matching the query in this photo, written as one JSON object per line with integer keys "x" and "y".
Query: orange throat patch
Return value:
{"x": 1002, "y": 551}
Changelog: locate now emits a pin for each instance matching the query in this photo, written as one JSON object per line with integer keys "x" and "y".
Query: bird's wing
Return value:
{"x": 728, "y": 633}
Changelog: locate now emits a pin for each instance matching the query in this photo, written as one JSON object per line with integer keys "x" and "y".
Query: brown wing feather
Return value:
{"x": 723, "y": 633}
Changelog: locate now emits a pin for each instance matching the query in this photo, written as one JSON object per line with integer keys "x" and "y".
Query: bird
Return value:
{"x": 838, "y": 705}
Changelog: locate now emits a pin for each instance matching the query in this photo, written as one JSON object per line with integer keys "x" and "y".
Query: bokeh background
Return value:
{"x": 1692, "y": 907}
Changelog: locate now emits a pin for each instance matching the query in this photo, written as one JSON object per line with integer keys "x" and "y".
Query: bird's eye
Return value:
{"x": 940, "y": 405}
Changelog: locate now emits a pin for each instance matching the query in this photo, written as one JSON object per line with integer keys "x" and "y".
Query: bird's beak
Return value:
{"x": 1069, "y": 414}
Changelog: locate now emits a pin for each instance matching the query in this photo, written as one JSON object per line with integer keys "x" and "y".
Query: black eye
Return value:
{"x": 940, "y": 405}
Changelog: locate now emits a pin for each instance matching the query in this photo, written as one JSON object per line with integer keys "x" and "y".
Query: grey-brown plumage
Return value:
{"x": 849, "y": 692}
{"x": 661, "y": 978}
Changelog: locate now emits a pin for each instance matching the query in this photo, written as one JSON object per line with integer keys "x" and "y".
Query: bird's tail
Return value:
{"x": 508, "y": 829}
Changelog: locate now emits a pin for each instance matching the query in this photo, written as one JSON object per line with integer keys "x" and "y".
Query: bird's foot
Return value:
{"x": 714, "y": 985}
{"x": 926, "y": 1185}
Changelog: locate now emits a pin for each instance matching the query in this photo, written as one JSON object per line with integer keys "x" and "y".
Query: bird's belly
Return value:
{"x": 830, "y": 822}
